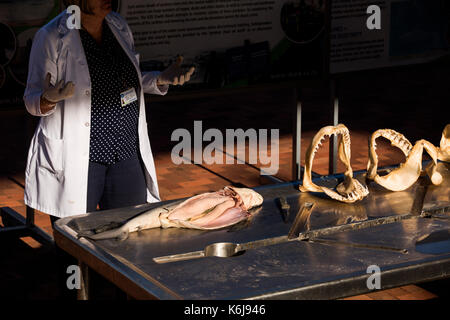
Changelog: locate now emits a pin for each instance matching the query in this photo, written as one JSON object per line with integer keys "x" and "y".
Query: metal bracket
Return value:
{"x": 16, "y": 226}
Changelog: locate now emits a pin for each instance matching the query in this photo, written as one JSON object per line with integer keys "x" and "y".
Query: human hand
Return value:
{"x": 175, "y": 75}
{"x": 59, "y": 92}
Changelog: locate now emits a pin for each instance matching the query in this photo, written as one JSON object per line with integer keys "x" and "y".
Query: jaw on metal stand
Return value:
{"x": 297, "y": 132}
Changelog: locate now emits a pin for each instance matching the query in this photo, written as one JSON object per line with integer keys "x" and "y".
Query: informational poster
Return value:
{"x": 411, "y": 31}
{"x": 19, "y": 21}
{"x": 244, "y": 42}
{"x": 231, "y": 42}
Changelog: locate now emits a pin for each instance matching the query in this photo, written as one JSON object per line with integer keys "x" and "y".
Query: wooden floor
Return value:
{"x": 27, "y": 269}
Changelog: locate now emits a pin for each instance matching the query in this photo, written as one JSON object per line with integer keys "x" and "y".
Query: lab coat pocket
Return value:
{"x": 50, "y": 154}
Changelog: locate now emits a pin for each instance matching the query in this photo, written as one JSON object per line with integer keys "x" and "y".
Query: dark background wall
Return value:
{"x": 413, "y": 100}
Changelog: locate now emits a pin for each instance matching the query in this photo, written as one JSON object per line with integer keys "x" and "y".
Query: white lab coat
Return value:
{"x": 56, "y": 175}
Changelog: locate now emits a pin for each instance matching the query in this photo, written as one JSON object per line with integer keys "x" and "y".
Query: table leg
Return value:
{"x": 84, "y": 291}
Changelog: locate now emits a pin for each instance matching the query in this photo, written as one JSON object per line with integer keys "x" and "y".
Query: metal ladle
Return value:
{"x": 230, "y": 249}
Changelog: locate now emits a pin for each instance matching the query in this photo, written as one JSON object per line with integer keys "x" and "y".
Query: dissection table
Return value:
{"x": 329, "y": 259}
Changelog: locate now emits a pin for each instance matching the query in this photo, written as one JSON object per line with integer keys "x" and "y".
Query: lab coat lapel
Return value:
{"x": 71, "y": 40}
{"x": 121, "y": 33}
{"x": 123, "y": 37}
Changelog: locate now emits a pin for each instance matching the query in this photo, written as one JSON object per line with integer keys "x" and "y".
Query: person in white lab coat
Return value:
{"x": 62, "y": 90}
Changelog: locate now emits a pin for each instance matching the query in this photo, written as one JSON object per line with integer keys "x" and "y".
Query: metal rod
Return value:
{"x": 297, "y": 136}
{"x": 180, "y": 257}
{"x": 307, "y": 235}
{"x": 358, "y": 245}
{"x": 261, "y": 243}
{"x": 353, "y": 226}
{"x": 334, "y": 102}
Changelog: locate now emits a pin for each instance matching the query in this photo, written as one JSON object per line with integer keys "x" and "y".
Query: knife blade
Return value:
{"x": 301, "y": 219}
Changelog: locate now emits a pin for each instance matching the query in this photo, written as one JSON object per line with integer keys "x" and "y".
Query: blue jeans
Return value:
{"x": 117, "y": 185}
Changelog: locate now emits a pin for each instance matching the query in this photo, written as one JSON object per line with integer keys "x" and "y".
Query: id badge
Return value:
{"x": 128, "y": 97}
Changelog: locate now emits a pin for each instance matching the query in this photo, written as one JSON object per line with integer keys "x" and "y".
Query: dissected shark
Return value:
{"x": 206, "y": 211}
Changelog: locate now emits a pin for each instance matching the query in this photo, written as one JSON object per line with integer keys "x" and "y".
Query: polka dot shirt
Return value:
{"x": 114, "y": 128}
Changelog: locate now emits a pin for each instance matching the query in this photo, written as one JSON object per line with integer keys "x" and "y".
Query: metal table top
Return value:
{"x": 294, "y": 269}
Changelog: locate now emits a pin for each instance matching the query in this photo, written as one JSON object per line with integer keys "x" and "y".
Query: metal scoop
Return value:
{"x": 230, "y": 249}
{"x": 221, "y": 249}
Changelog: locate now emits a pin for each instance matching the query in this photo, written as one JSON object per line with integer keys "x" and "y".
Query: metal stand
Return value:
{"x": 16, "y": 226}
{"x": 334, "y": 103}
{"x": 297, "y": 136}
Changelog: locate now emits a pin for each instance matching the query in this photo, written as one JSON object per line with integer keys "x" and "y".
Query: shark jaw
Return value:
{"x": 444, "y": 150}
{"x": 408, "y": 172}
{"x": 397, "y": 140}
{"x": 350, "y": 190}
